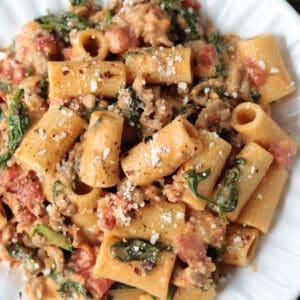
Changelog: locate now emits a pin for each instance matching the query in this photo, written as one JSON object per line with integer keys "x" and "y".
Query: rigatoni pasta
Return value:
{"x": 259, "y": 210}
{"x": 163, "y": 154}
{"x": 159, "y": 66}
{"x": 257, "y": 163}
{"x": 264, "y": 50}
{"x": 92, "y": 76}
{"x": 240, "y": 245}
{"x": 138, "y": 155}
{"x": 49, "y": 140}
{"x": 213, "y": 156}
{"x": 100, "y": 156}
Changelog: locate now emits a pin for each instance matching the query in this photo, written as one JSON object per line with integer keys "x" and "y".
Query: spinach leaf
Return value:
{"x": 255, "y": 96}
{"x": 18, "y": 251}
{"x": 57, "y": 189}
{"x": 193, "y": 179}
{"x": 53, "y": 237}
{"x": 137, "y": 250}
{"x": 78, "y": 2}
{"x": 69, "y": 287}
{"x": 172, "y": 291}
{"x": 5, "y": 87}
{"x": 227, "y": 197}
{"x": 215, "y": 253}
{"x": 96, "y": 125}
{"x": 132, "y": 113}
{"x": 2, "y": 115}
{"x": 43, "y": 88}
{"x": 121, "y": 286}
{"x": 220, "y": 68}
{"x": 174, "y": 9}
{"x": 63, "y": 23}
{"x": 18, "y": 124}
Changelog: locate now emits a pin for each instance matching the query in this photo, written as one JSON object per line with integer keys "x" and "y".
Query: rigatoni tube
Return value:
{"x": 213, "y": 156}
{"x": 163, "y": 154}
{"x": 257, "y": 162}
{"x": 260, "y": 209}
{"x": 79, "y": 78}
{"x": 264, "y": 51}
{"x": 166, "y": 66}
{"x": 240, "y": 245}
{"x": 99, "y": 163}
{"x": 251, "y": 121}
{"x": 49, "y": 140}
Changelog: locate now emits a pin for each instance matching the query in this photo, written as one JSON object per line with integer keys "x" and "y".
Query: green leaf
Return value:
{"x": 172, "y": 291}
{"x": 18, "y": 124}
{"x": 96, "y": 125}
{"x": 227, "y": 197}
{"x": 174, "y": 9}
{"x": 78, "y": 2}
{"x": 53, "y": 237}
{"x": 137, "y": 250}
{"x": 69, "y": 287}
{"x": 215, "y": 253}
{"x": 121, "y": 286}
{"x": 193, "y": 179}
{"x": 5, "y": 87}
{"x": 18, "y": 251}
{"x": 2, "y": 115}
{"x": 255, "y": 96}
{"x": 43, "y": 88}
{"x": 63, "y": 23}
{"x": 57, "y": 189}
{"x": 132, "y": 113}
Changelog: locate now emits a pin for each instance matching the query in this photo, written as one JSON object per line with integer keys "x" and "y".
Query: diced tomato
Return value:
{"x": 256, "y": 74}
{"x": 46, "y": 43}
{"x": 12, "y": 70}
{"x": 284, "y": 151}
{"x": 190, "y": 248}
{"x": 208, "y": 55}
{"x": 23, "y": 188}
{"x": 83, "y": 259}
{"x": 191, "y": 3}
{"x": 97, "y": 286}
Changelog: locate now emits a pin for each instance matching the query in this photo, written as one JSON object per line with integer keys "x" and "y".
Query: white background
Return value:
{"x": 278, "y": 259}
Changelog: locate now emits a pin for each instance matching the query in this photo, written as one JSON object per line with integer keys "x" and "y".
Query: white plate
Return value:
{"x": 278, "y": 259}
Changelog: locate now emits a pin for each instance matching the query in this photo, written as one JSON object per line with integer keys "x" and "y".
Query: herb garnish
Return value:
{"x": 63, "y": 23}
{"x": 96, "y": 125}
{"x": 57, "y": 189}
{"x": 255, "y": 96}
{"x": 132, "y": 113}
{"x": 227, "y": 197}
{"x": 18, "y": 124}
{"x": 174, "y": 9}
{"x": 53, "y": 237}
{"x": 138, "y": 52}
{"x": 220, "y": 68}
{"x": 215, "y": 253}
{"x": 18, "y": 251}
{"x": 43, "y": 88}
{"x": 68, "y": 288}
{"x": 137, "y": 250}
{"x": 171, "y": 292}
{"x": 5, "y": 87}
{"x": 121, "y": 286}
{"x": 78, "y": 2}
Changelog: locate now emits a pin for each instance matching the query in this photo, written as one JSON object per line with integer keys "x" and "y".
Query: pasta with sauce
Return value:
{"x": 136, "y": 149}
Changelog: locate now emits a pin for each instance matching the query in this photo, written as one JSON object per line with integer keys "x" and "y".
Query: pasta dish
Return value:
{"x": 138, "y": 155}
